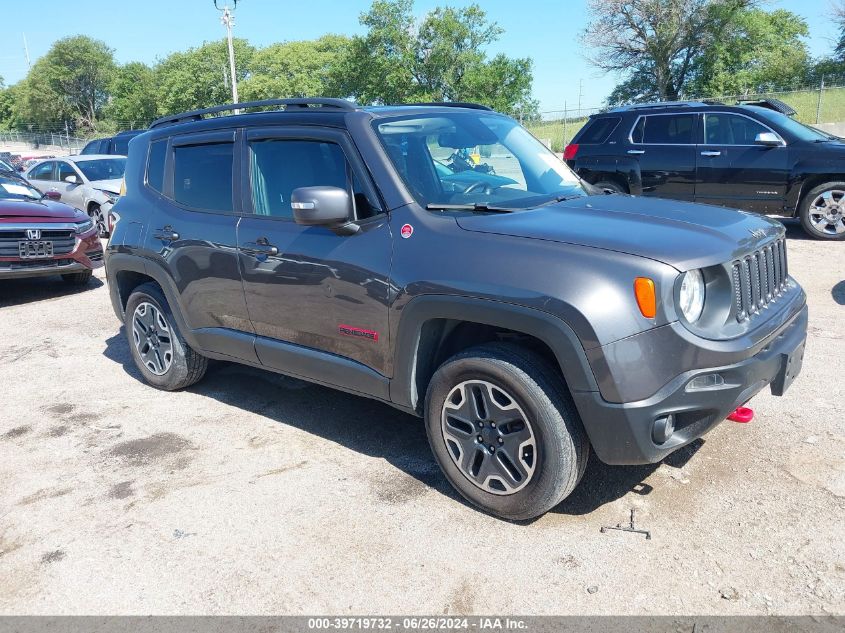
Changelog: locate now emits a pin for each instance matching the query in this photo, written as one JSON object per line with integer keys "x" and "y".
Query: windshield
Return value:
{"x": 15, "y": 189}
{"x": 474, "y": 159}
{"x": 102, "y": 169}
{"x": 799, "y": 130}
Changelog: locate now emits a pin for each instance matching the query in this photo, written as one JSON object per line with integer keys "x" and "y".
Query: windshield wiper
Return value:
{"x": 557, "y": 199}
{"x": 475, "y": 206}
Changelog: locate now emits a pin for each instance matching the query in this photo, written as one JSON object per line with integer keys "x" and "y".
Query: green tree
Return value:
{"x": 441, "y": 58}
{"x": 133, "y": 95}
{"x": 758, "y": 50}
{"x": 654, "y": 44}
{"x": 199, "y": 77}
{"x": 296, "y": 69}
{"x": 69, "y": 84}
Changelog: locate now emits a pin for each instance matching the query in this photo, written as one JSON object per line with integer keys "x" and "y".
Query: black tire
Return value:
{"x": 610, "y": 185}
{"x": 96, "y": 215}
{"x": 78, "y": 279}
{"x": 562, "y": 447}
{"x": 186, "y": 366}
{"x": 805, "y": 211}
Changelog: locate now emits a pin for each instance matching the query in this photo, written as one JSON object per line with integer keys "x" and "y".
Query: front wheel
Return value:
{"x": 822, "y": 211}
{"x": 505, "y": 431}
{"x": 162, "y": 355}
{"x": 96, "y": 215}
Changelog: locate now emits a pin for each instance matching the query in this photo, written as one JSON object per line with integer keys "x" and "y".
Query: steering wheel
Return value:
{"x": 480, "y": 185}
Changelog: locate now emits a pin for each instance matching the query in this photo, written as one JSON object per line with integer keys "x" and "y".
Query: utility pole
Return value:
{"x": 228, "y": 20}
{"x": 26, "y": 52}
{"x": 580, "y": 87}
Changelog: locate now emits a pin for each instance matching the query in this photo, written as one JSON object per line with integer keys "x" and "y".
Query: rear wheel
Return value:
{"x": 160, "y": 352}
{"x": 78, "y": 279}
{"x": 505, "y": 431}
{"x": 610, "y": 185}
{"x": 822, "y": 211}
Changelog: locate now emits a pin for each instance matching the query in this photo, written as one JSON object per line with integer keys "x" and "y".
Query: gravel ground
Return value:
{"x": 254, "y": 494}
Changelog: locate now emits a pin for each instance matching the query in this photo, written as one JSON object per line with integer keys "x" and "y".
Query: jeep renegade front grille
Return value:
{"x": 759, "y": 278}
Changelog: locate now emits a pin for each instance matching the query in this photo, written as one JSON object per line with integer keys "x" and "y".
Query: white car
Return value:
{"x": 90, "y": 183}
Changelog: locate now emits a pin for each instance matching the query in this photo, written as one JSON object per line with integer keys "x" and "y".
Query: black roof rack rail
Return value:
{"x": 451, "y": 104}
{"x": 772, "y": 104}
{"x": 659, "y": 104}
{"x": 307, "y": 102}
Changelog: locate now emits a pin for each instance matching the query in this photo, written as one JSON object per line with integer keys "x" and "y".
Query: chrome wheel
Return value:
{"x": 489, "y": 437}
{"x": 152, "y": 338}
{"x": 827, "y": 212}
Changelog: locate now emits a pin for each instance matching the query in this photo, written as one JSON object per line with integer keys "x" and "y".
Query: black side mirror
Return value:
{"x": 323, "y": 206}
{"x": 53, "y": 195}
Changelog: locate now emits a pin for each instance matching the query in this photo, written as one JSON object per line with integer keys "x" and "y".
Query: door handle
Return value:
{"x": 636, "y": 151}
{"x": 261, "y": 246}
{"x": 167, "y": 234}
{"x": 708, "y": 153}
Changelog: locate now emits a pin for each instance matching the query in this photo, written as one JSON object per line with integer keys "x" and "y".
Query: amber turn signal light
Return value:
{"x": 646, "y": 299}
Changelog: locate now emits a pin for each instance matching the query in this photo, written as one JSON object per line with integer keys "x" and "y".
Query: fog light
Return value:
{"x": 706, "y": 381}
{"x": 663, "y": 429}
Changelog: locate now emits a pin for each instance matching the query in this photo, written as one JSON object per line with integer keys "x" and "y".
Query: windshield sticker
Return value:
{"x": 17, "y": 190}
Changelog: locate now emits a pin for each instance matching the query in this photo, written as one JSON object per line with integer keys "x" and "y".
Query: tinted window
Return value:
{"x": 120, "y": 146}
{"x": 665, "y": 129}
{"x": 155, "y": 165}
{"x": 93, "y": 147}
{"x": 278, "y": 167}
{"x": 44, "y": 171}
{"x": 202, "y": 176}
{"x": 730, "y": 129}
{"x": 66, "y": 170}
{"x": 597, "y": 130}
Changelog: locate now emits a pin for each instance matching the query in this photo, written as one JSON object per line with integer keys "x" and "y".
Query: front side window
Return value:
{"x": 464, "y": 158}
{"x": 155, "y": 165}
{"x": 66, "y": 170}
{"x": 202, "y": 176}
{"x": 277, "y": 167}
{"x": 664, "y": 129}
{"x": 731, "y": 129}
{"x": 103, "y": 169}
{"x": 44, "y": 171}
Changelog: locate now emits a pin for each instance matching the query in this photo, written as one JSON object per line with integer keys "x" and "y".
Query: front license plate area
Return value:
{"x": 790, "y": 368}
{"x": 35, "y": 249}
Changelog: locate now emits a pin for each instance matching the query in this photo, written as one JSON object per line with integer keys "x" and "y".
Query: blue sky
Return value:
{"x": 144, "y": 30}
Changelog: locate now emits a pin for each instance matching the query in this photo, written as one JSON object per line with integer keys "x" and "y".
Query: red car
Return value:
{"x": 40, "y": 236}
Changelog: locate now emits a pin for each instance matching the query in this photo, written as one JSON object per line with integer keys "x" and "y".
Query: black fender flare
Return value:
{"x": 805, "y": 170}
{"x": 548, "y": 328}
{"x": 119, "y": 262}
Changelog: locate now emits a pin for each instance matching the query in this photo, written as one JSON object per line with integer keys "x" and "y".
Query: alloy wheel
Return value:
{"x": 152, "y": 336}
{"x": 827, "y": 212}
{"x": 489, "y": 437}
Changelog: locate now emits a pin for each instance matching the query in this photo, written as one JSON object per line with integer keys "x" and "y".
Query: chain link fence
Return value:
{"x": 45, "y": 140}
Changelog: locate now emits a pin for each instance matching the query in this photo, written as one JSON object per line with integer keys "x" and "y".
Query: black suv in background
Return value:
{"x": 116, "y": 145}
{"x": 524, "y": 314}
{"x": 747, "y": 156}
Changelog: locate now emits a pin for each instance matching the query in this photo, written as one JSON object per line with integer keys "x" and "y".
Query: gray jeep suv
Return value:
{"x": 438, "y": 258}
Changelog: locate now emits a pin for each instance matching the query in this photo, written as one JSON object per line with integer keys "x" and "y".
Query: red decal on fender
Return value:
{"x": 349, "y": 330}
{"x": 406, "y": 231}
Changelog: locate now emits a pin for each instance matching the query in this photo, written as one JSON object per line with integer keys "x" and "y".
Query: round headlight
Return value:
{"x": 691, "y": 299}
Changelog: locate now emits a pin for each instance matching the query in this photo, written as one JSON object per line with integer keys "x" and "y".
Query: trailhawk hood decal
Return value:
{"x": 681, "y": 234}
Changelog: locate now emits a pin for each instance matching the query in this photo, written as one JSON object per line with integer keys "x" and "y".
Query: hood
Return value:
{"x": 43, "y": 210}
{"x": 108, "y": 185}
{"x": 681, "y": 234}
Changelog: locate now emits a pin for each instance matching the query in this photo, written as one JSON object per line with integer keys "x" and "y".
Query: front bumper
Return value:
{"x": 621, "y": 433}
{"x": 86, "y": 255}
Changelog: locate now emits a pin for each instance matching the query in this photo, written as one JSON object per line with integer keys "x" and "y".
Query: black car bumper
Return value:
{"x": 624, "y": 433}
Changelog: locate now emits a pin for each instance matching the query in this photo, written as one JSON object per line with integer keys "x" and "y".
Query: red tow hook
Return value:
{"x": 742, "y": 415}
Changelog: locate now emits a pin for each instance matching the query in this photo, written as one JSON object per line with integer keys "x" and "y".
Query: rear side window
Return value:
{"x": 44, "y": 171}
{"x": 202, "y": 176}
{"x": 155, "y": 165}
{"x": 598, "y": 130}
{"x": 120, "y": 146}
{"x": 671, "y": 129}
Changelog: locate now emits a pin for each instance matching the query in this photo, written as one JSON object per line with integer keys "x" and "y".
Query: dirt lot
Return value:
{"x": 251, "y": 493}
